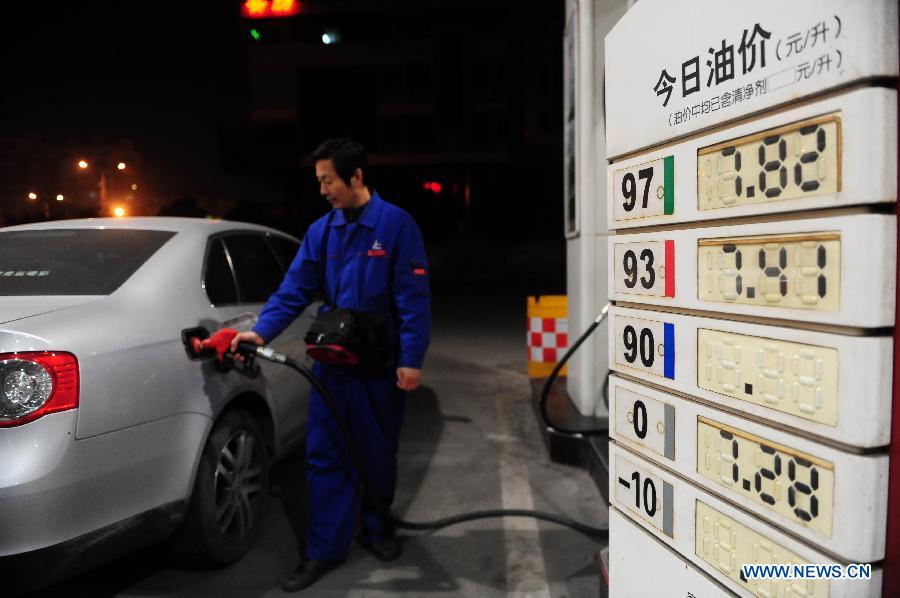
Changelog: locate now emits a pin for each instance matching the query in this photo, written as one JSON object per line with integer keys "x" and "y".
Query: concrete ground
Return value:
{"x": 470, "y": 442}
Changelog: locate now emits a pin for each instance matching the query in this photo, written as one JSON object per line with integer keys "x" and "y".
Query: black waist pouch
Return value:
{"x": 354, "y": 339}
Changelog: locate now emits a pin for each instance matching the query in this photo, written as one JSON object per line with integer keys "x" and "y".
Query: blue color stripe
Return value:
{"x": 669, "y": 350}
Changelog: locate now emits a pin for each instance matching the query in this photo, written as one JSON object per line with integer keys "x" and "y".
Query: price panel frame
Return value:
{"x": 857, "y": 529}
{"x": 861, "y": 302}
{"x": 683, "y": 539}
{"x": 645, "y": 269}
{"x": 658, "y": 510}
{"x": 644, "y": 421}
{"x": 651, "y": 184}
{"x": 864, "y": 388}
{"x": 650, "y": 342}
{"x": 867, "y": 121}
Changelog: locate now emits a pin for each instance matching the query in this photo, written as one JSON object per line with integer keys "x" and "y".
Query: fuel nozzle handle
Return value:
{"x": 219, "y": 343}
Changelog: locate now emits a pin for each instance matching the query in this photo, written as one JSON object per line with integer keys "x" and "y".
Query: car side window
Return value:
{"x": 285, "y": 249}
{"x": 217, "y": 277}
{"x": 255, "y": 266}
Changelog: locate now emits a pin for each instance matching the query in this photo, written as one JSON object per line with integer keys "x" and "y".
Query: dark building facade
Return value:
{"x": 459, "y": 104}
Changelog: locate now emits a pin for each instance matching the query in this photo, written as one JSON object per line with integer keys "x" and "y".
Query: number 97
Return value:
{"x": 629, "y": 188}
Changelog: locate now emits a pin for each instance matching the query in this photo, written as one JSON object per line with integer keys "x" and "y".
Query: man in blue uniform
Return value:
{"x": 366, "y": 255}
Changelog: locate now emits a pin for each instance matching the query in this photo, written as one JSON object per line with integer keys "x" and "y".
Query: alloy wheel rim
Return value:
{"x": 237, "y": 484}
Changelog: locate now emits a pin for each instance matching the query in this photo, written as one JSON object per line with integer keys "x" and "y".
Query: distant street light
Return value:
{"x": 101, "y": 170}
{"x": 32, "y": 195}
{"x": 119, "y": 211}
{"x": 59, "y": 197}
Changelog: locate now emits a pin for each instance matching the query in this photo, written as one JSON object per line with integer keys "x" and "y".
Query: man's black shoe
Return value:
{"x": 387, "y": 551}
{"x": 306, "y": 574}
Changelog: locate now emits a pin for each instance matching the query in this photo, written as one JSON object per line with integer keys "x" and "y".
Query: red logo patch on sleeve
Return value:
{"x": 377, "y": 253}
{"x": 419, "y": 271}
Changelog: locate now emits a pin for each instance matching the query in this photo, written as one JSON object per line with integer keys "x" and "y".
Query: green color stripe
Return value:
{"x": 669, "y": 184}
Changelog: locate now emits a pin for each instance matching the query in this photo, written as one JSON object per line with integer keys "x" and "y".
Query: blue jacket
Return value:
{"x": 375, "y": 264}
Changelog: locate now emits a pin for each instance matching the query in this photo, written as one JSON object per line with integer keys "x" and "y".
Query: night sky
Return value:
{"x": 162, "y": 74}
{"x": 174, "y": 78}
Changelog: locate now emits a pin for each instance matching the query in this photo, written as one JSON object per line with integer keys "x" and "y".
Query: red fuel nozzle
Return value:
{"x": 220, "y": 342}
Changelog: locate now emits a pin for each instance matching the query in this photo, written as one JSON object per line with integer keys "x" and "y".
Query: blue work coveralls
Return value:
{"x": 375, "y": 264}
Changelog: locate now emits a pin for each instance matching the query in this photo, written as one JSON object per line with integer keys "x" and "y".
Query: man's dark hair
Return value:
{"x": 345, "y": 153}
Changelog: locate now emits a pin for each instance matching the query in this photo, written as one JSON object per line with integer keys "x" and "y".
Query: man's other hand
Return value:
{"x": 408, "y": 378}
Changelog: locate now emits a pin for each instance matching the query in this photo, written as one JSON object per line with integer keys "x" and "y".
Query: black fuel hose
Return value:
{"x": 269, "y": 354}
{"x": 545, "y": 393}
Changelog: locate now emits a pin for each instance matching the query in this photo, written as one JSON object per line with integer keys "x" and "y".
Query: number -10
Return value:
{"x": 649, "y": 502}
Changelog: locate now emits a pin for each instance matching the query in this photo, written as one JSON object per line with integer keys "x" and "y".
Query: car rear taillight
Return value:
{"x": 35, "y": 383}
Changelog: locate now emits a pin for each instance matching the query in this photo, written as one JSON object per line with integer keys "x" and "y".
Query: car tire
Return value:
{"x": 225, "y": 512}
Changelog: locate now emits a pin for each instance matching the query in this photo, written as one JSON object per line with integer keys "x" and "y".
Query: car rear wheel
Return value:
{"x": 225, "y": 512}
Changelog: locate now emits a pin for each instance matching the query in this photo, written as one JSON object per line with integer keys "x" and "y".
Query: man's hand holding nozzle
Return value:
{"x": 242, "y": 337}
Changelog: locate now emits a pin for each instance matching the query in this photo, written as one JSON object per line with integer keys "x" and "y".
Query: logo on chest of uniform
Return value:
{"x": 377, "y": 250}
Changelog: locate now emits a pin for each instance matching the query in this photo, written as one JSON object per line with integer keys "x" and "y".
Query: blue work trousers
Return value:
{"x": 373, "y": 409}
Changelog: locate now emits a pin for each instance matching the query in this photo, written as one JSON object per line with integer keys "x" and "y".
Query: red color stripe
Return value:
{"x": 670, "y": 269}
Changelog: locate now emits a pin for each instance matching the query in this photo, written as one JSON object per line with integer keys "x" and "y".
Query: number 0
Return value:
{"x": 640, "y": 419}
{"x": 649, "y": 503}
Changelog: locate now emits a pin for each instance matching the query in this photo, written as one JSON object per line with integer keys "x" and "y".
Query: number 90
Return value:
{"x": 642, "y": 344}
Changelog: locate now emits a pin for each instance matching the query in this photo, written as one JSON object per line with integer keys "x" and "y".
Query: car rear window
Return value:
{"x": 73, "y": 261}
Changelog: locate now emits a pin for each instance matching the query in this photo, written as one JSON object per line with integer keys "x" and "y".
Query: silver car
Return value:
{"x": 111, "y": 437}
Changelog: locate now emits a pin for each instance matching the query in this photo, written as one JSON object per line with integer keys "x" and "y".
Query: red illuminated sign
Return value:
{"x": 265, "y": 9}
{"x": 433, "y": 186}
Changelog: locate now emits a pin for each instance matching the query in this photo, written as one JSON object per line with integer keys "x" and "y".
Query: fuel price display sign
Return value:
{"x": 836, "y": 152}
{"x": 833, "y": 386}
{"x": 751, "y": 188}
{"x": 813, "y": 270}
{"x": 800, "y": 485}
{"x": 719, "y": 538}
